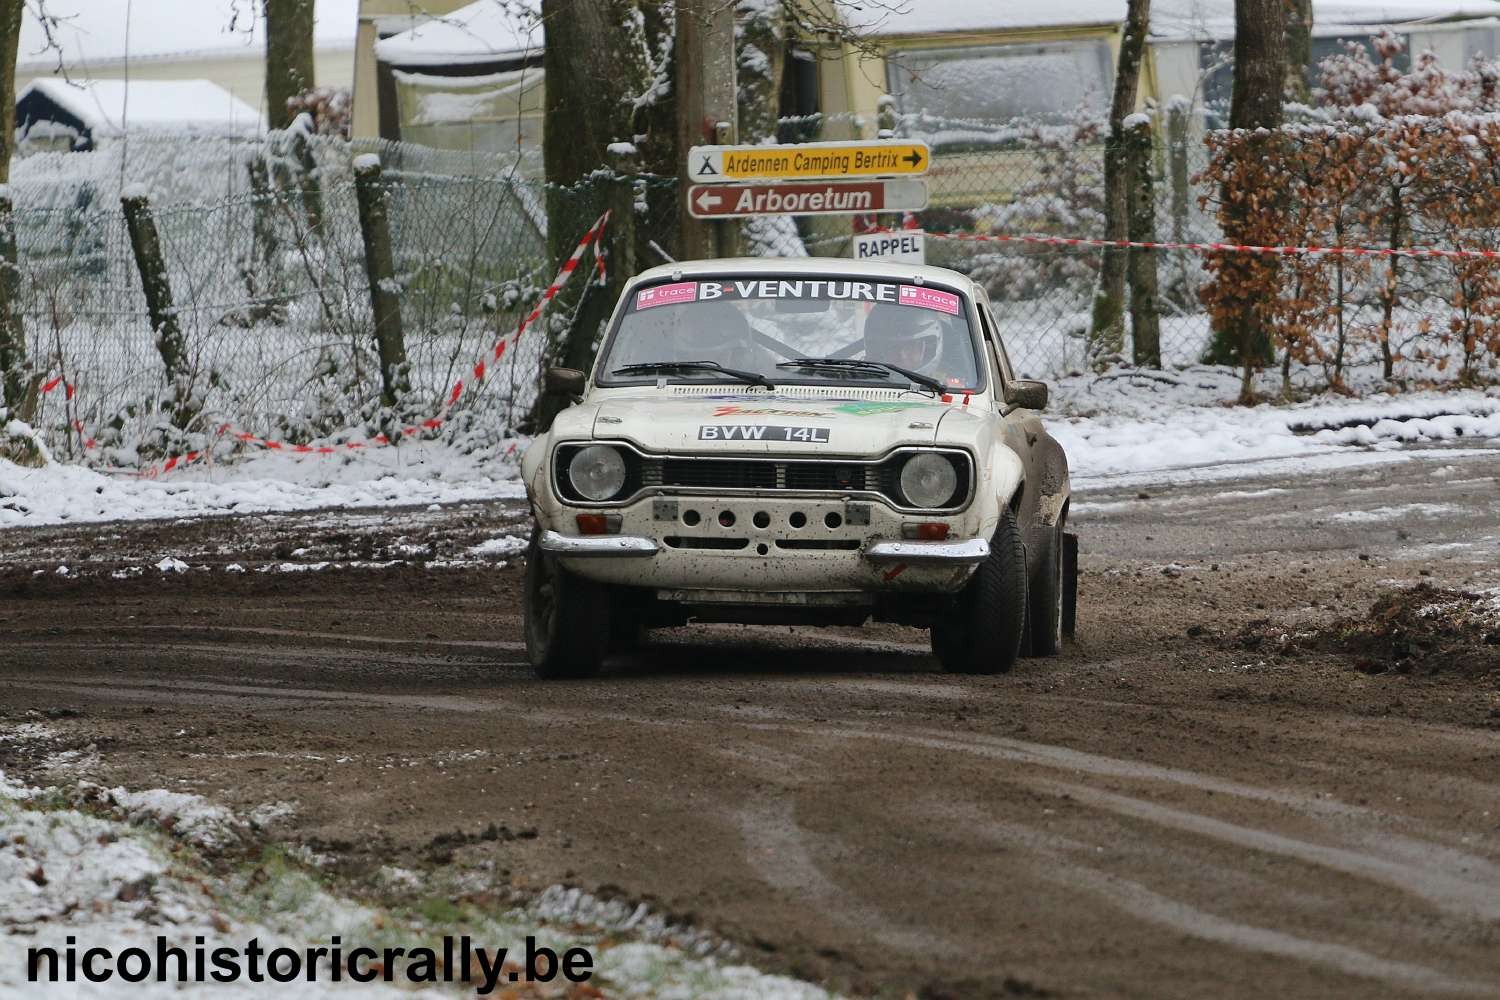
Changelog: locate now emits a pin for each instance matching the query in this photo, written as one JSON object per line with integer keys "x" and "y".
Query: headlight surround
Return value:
{"x": 929, "y": 479}
{"x": 597, "y": 472}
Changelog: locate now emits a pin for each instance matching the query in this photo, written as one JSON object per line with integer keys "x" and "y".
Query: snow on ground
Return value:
{"x": 1126, "y": 425}
{"x": 415, "y": 473}
{"x": 1137, "y": 425}
{"x": 109, "y": 869}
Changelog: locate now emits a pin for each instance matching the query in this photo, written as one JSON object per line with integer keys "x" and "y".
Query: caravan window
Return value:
{"x": 1000, "y": 82}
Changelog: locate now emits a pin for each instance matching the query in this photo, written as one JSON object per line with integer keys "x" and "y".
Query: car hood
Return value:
{"x": 768, "y": 423}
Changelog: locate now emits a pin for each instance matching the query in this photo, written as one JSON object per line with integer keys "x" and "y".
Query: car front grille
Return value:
{"x": 769, "y": 475}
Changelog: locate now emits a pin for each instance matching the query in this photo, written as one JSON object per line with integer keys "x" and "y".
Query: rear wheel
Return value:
{"x": 566, "y": 618}
{"x": 984, "y": 631}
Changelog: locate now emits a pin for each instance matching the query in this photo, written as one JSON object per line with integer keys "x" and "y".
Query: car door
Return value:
{"x": 1046, "y": 485}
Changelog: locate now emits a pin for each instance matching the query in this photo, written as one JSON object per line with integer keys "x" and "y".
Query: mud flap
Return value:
{"x": 1070, "y": 584}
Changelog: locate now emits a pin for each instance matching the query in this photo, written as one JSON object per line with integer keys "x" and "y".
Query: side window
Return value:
{"x": 998, "y": 360}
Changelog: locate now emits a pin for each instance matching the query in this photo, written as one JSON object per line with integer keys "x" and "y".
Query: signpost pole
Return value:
{"x": 706, "y": 109}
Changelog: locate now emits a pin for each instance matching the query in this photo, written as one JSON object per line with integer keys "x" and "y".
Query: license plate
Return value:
{"x": 762, "y": 432}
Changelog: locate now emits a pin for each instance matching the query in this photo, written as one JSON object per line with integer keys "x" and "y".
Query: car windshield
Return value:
{"x": 803, "y": 330}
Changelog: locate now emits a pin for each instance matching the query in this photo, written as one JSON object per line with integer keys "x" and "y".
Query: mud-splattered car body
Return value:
{"x": 741, "y": 502}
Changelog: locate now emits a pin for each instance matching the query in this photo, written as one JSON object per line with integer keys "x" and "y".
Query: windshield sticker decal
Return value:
{"x": 666, "y": 295}
{"x": 929, "y": 298}
{"x": 819, "y": 288}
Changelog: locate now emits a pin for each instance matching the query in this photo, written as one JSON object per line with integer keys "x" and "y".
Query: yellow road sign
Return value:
{"x": 808, "y": 161}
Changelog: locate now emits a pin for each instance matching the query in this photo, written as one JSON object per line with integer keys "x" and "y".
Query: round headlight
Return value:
{"x": 928, "y": 480}
{"x": 597, "y": 472}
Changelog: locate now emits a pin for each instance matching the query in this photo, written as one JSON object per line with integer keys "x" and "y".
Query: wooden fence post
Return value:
{"x": 17, "y": 381}
{"x": 1145, "y": 317}
{"x": 145, "y": 244}
{"x": 380, "y": 268}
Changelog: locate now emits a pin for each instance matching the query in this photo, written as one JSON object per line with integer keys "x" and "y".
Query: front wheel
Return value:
{"x": 566, "y": 618}
{"x": 984, "y": 631}
{"x": 1044, "y": 613}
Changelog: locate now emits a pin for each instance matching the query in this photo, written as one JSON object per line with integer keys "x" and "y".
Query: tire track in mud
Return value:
{"x": 1448, "y": 880}
{"x": 1144, "y": 903}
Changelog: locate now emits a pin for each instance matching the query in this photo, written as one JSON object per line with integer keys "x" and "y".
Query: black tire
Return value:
{"x": 625, "y": 630}
{"x": 983, "y": 633}
{"x": 1044, "y": 605}
{"x": 566, "y": 618}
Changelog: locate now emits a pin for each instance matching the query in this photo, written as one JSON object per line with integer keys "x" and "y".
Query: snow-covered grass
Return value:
{"x": 1131, "y": 424}
{"x": 114, "y": 869}
{"x": 415, "y": 473}
{"x": 1123, "y": 424}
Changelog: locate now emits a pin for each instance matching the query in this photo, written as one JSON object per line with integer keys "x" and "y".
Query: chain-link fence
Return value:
{"x": 263, "y": 251}
{"x": 270, "y": 291}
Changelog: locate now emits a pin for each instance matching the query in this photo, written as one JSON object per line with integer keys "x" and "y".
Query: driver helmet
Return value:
{"x": 901, "y": 335}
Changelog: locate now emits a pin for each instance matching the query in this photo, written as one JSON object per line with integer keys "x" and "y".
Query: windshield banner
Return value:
{"x": 681, "y": 292}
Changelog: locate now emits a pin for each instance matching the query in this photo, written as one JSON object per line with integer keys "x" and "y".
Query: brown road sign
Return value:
{"x": 738, "y": 201}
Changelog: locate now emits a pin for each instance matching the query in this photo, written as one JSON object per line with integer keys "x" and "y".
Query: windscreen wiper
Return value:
{"x": 749, "y": 378}
{"x": 857, "y": 364}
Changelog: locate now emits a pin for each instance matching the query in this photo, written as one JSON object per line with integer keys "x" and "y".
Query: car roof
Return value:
{"x": 757, "y": 267}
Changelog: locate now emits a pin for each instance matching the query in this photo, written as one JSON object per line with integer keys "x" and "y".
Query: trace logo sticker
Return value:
{"x": 929, "y": 298}
{"x": 666, "y": 295}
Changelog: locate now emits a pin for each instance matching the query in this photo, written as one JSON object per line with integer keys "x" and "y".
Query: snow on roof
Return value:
{"x": 1172, "y": 18}
{"x": 483, "y": 31}
{"x": 154, "y": 106}
{"x": 93, "y": 32}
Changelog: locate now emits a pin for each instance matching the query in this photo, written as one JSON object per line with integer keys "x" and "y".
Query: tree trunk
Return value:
{"x": 145, "y": 244}
{"x": 1299, "y": 23}
{"x": 1145, "y": 317}
{"x": 289, "y": 56}
{"x": 760, "y": 55}
{"x": 380, "y": 269}
{"x": 1107, "y": 326}
{"x": 1255, "y": 103}
{"x": 15, "y": 372}
{"x": 706, "y": 75}
{"x": 603, "y": 48}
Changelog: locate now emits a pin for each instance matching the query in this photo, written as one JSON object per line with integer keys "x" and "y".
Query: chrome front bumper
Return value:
{"x": 598, "y": 546}
{"x": 969, "y": 552}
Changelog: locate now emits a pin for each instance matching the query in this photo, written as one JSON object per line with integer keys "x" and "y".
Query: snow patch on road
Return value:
{"x": 499, "y": 548}
{"x": 1410, "y": 510}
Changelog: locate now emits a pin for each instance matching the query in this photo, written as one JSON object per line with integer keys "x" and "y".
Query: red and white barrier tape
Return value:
{"x": 1074, "y": 241}
{"x": 593, "y": 238}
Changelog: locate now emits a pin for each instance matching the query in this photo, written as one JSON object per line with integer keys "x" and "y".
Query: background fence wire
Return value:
{"x": 270, "y": 288}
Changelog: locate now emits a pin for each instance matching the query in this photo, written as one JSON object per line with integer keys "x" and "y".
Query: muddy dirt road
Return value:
{"x": 1186, "y": 803}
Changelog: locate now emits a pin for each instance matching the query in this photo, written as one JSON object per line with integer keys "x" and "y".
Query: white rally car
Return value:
{"x": 799, "y": 442}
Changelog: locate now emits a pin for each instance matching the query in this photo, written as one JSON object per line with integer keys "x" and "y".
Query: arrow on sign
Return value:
{"x": 707, "y": 201}
{"x": 914, "y": 158}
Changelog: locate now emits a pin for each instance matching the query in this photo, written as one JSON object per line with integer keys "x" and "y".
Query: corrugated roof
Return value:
{"x": 481, "y": 32}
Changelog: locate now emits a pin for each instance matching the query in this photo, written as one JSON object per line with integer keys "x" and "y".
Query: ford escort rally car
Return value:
{"x": 798, "y": 442}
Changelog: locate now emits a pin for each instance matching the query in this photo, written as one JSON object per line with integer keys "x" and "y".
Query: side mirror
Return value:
{"x": 564, "y": 382}
{"x": 1029, "y": 395}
